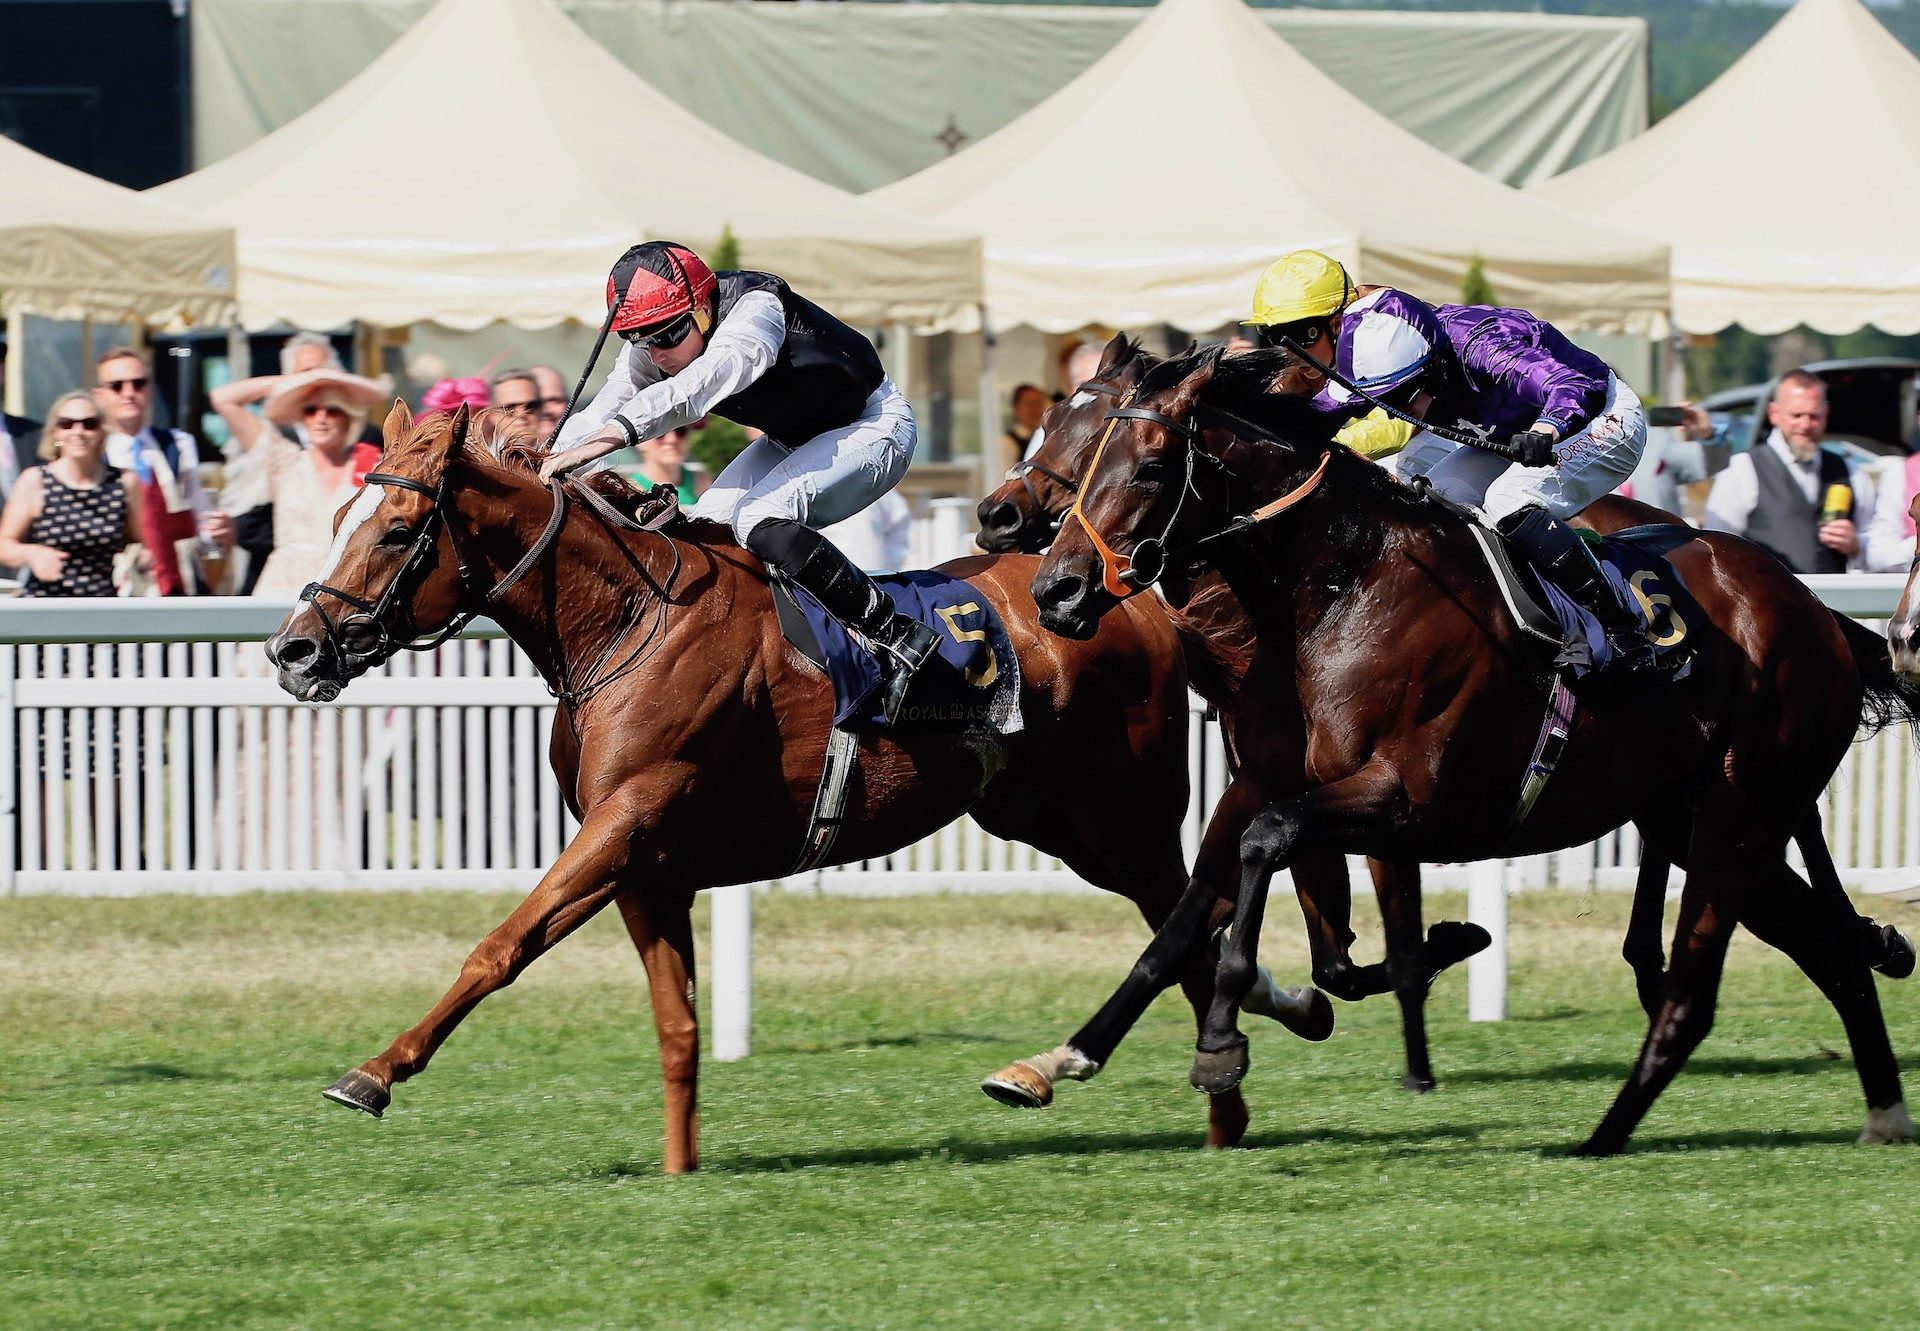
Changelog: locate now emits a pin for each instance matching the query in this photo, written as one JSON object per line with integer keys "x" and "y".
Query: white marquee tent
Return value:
{"x": 1154, "y": 187}
{"x": 76, "y": 247}
{"x": 492, "y": 163}
{"x": 1789, "y": 189}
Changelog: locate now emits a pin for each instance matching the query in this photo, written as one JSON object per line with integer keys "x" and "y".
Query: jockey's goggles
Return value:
{"x": 1303, "y": 333}
{"x": 669, "y": 334}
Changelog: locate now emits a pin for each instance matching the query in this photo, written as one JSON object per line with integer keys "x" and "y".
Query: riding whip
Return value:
{"x": 1438, "y": 431}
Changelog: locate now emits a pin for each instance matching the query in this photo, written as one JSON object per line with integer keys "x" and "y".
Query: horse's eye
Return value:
{"x": 396, "y": 538}
{"x": 1150, "y": 472}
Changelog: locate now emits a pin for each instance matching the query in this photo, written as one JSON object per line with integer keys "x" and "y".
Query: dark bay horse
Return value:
{"x": 690, "y": 736}
{"x": 1392, "y": 705}
{"x": 1025, "y": 513}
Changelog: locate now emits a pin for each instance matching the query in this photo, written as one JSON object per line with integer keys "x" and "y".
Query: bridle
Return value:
{"x": 1023, "y": 468}
{"x": 1127, "y": 575}
{"x": 373, "y": 614}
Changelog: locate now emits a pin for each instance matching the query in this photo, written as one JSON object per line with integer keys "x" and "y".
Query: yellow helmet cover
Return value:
{"x": 1305, "y": 284}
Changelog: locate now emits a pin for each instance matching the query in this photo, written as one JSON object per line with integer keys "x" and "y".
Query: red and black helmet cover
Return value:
{"x": 660, "y": 281}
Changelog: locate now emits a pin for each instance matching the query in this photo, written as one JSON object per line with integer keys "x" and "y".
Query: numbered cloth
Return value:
{"x": 974, "y": 686}
{"x": 1633, "y": 560}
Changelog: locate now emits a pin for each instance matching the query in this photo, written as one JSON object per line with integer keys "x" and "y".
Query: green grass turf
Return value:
{"x": 169, "y": 1160}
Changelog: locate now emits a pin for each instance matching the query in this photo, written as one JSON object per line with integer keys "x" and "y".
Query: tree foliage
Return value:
{"x": 721, "y": 440}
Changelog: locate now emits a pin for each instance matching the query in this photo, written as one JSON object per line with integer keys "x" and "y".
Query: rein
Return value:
{"x": 1127, "y": 575}
{"x": 373, "y": 614}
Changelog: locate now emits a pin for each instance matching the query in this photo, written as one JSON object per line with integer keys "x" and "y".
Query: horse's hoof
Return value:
{"x": 1217, "y": 1071}
{"x": 1019, "y": 1085}
{"x": 1418, "y": 1085}
{"x": 1306, "y": 1012}
{"x": 1886, "y": 1126}
{"x": 357, "y": 1090}
{"x": 1451, "y": 942}
{"x": 1594, "y": 1149}
{"x": 1896, "y": 955}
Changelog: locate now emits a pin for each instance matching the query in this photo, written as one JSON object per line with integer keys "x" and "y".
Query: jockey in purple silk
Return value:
{"x": 1499, "y": 374}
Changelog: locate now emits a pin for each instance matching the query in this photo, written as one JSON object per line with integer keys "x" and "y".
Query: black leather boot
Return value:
{"x": 807, "y": 559}
{"x": 1559, "y": 553}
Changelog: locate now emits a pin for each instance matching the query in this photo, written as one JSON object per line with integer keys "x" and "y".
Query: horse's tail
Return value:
{"x": 1888, "y": 698}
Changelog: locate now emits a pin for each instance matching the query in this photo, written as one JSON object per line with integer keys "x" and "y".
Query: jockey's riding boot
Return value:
{"x": 808, "y": 559}
{"x": 1560, "y": 553}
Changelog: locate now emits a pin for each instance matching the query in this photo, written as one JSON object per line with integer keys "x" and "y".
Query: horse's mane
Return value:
{"x": 508, "y": 443}
{"x": 1242, "y": 387}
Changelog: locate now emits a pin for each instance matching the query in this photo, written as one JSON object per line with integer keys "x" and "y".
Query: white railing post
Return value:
{"x": 11, "y": 762}
{"x": 732, "y": 968}
{"x": 1487, "y": 971}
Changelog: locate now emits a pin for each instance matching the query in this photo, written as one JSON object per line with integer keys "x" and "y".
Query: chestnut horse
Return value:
{"x": 682, "y": 710}
{"x": 1393, "y": 704}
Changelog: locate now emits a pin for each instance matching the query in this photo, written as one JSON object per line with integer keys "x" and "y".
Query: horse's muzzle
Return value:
{"x": 1006, "y": 530}
{"x": 305, "y": 665}
{"x": 1070, "y": 603}
{"x": 1901, "y": 641}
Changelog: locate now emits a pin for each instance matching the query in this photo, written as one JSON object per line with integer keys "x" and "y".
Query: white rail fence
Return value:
{"x": 148, "y": 750}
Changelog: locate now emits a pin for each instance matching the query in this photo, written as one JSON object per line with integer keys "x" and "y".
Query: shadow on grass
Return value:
{"x": 1732, "y": 1139}
{"x": 1617, "y": 1070}
{"x": 1056, "y": 1144}
{"x": 130, "y": 1074}
{"x": 920, "y": 1039}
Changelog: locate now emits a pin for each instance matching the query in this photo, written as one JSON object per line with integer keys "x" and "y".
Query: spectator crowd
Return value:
{"x": 101, "y": 501}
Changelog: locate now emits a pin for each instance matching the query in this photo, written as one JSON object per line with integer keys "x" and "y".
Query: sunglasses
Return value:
{"x": 669, "y": 334}
{"x": 313, "y": 409}
{"x": 76, "y": 423}
{"x": 520, "y": 408}
{"x": 138, "y": 385}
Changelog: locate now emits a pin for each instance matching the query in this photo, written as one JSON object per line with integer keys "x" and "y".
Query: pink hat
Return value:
{"x": 450, "y": 393}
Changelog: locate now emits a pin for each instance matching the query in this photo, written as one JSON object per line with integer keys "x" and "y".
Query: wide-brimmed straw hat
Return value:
{"x": 291, "y": 395}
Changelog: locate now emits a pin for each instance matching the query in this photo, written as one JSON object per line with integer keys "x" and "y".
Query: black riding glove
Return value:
{"x": 1533, "y": 448}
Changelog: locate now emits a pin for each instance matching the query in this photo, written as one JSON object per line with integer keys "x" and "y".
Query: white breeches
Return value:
{"x": 826, "y": 480}
{"x": 1589, "y": 464}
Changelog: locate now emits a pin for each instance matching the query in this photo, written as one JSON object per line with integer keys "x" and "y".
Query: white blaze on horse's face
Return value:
{"x": 364, "y": 506}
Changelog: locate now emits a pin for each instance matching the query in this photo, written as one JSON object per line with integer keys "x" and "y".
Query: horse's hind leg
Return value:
{"x": 1884, "y": 947}
{"x": 1819, "y": 936}
{"x": 581, "y": 881}
{"x": 1397, "y": 889}
{"x": 662, "y": 933}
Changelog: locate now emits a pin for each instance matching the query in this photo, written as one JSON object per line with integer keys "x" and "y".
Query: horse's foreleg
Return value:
{"x": 1819, "y": 935}
{"x": 580, "y": 882}
{"x": 1277, "y": 835}
{"x": 1397, "y": 888}
{"x": 662, "y": 932}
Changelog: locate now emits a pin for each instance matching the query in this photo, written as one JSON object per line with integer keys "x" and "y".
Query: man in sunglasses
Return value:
{"x": 836, "y": 433}
{"x": 175, "y": 510}
{"x": 1557, "y": 429}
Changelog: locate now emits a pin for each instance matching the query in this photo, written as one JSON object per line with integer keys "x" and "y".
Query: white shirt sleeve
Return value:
{"x": 631, "y": 372}
{"x": 740, "y": 349}
{"x": 1866, "y": 503}
{"x": 1888, "y": 547}
{"x": 1731, "y": 502}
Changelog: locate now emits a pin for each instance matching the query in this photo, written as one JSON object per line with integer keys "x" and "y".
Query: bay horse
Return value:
{"x": 1393, "y": 703}
{"x": 683, "y": 710}
{"x": 1025, "y": 513}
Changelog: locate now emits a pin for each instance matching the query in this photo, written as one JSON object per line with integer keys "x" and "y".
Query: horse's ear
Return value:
{"x": 1117, "y": 353}
{"x": 399, "y": 421}
{"x": 462, "y": 418}
{"x": 1187, "y": 392}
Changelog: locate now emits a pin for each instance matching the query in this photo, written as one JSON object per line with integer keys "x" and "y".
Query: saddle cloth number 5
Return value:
{"x": 978, "y": 676}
